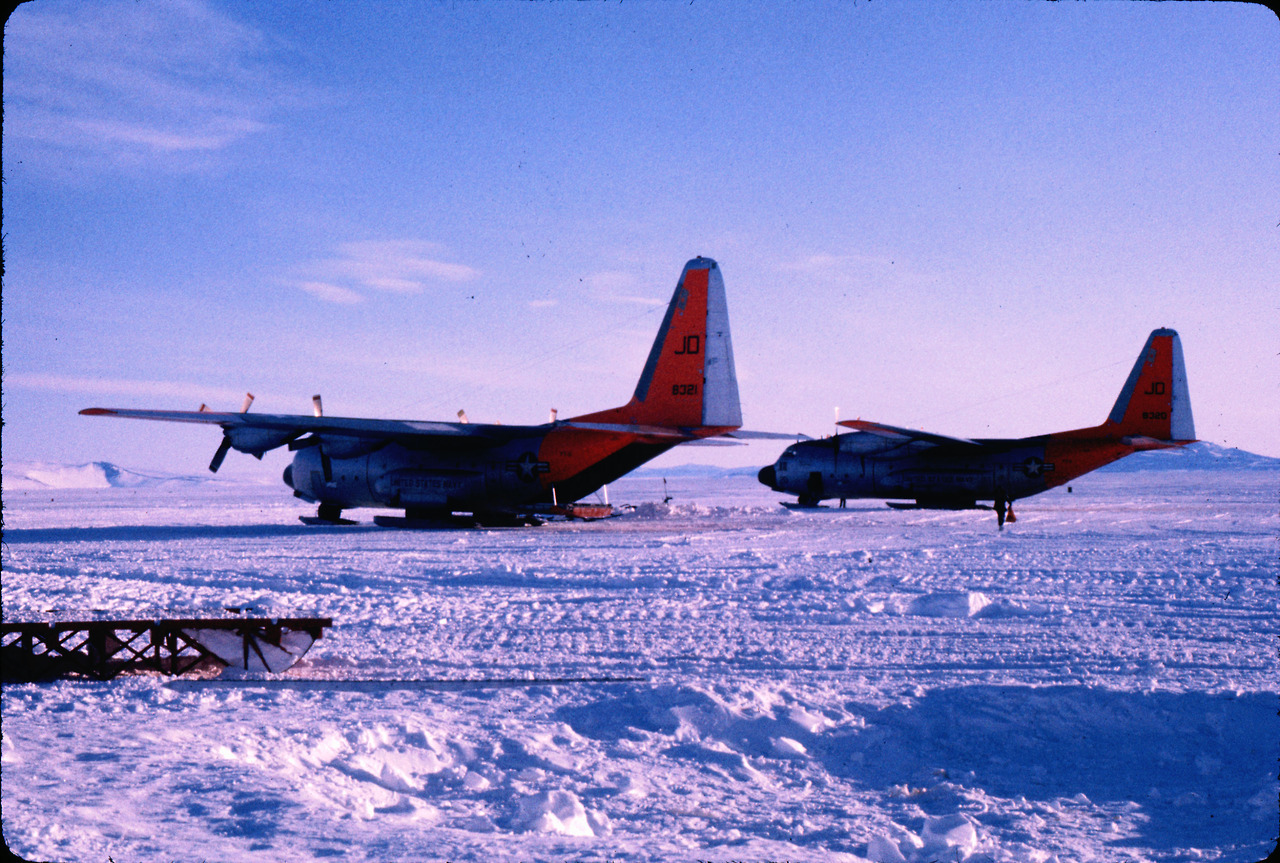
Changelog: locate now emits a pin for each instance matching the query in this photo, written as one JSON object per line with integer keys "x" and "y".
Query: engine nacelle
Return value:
{"x": 349, "y": 446}
{"x": 315, "y": 476}
{"x": 256, "y": 441}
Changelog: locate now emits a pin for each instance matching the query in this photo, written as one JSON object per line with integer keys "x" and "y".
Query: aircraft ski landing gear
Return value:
{"x": 328, "y": 513}
{"x": 417, "y": 519}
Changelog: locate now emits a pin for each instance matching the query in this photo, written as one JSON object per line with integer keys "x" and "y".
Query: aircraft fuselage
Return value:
{"x": 859, "y": 465}
{"x": 513, "y": 476}
{"x": 1153, "y": 411}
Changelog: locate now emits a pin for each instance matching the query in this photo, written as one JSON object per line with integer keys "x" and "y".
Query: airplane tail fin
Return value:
{"x": 689, "y": 381}
{"x": 1155, "y": 401}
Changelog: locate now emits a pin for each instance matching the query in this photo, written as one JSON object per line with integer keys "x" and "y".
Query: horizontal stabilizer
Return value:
{"x": 744, "y": 434}
{"x": 1138, "y": 442}
{"x": 645, "y": 431}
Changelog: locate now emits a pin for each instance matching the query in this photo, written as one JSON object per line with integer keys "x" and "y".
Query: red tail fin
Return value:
{"x": 689, "y": 379}
{"x": 1155, "y": 401}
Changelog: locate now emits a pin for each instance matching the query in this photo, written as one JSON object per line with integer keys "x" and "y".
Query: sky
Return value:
{"x": 962, "y": 217}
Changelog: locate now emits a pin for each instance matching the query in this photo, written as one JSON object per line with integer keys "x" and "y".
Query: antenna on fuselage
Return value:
{"x": 462, "y": 417}
{"x": 317, "y": 407}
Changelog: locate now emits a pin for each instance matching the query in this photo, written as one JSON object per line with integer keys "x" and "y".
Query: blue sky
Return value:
{"x": 961, "y": 217}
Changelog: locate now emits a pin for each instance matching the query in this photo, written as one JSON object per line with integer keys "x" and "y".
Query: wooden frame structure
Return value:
{"x": 101, "y": 649}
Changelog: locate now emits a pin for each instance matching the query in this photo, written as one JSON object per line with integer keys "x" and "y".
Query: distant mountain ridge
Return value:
{"x": 25, "y": 476}
{"x": 1197, "y": 456}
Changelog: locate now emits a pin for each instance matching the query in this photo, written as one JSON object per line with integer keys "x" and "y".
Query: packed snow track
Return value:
{"x": 717, "y": 678}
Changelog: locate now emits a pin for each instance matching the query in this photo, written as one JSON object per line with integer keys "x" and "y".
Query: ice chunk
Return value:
{"x": 962, "y": 604}
{"x": 785, "y": 747}
{"x": 555, "y": 812}
{"x": 882, "y": 849}
{"x": 950, "y": 832}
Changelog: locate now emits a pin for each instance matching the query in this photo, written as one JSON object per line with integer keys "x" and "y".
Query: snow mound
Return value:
{"x": 952, "y": 836}
{"x": 561, "y": 812}
{"x": 947, "y": 837}
{"x": 948, "y": 604}
{"x": 97, "y": 474}
{"x": 650, "y": 510}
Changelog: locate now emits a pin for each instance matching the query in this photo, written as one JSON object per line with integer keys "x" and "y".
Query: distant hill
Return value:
{"x": 705, "y": 471}
{"x": 24, "y": 476}
{"x": 1197, "y": 456}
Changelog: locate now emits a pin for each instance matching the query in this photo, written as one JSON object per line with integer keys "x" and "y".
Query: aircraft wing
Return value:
{"x": 301, "y": 423}
{"x": 905, "y": 435}
{"x": 255, "y": 434}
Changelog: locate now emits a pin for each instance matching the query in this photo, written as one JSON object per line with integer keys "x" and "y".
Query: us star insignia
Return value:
{"x": 528, "y": 467}
{"x": 1035, "y": 466}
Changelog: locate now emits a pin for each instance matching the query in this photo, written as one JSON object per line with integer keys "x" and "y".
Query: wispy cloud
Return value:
{"x": 128, "y": 82}
{"x": 619, "y": 286}
{"x": 331, "y": 293}
{"x": 824, "y": 265}
{"x": 122, "y": 387}
{"x": 394, "y": 266}
{"x": 855, "y": 269}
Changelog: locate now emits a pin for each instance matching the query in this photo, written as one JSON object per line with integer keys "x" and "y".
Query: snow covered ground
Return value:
{"x": 712, "y": 679}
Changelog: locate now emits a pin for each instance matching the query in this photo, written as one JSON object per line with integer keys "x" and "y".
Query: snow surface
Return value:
{"x": 717, "y": 678}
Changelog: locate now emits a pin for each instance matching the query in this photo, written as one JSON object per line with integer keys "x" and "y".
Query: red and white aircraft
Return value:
{"x": 1153, "y": 411}
{"x": 503, "y": 473}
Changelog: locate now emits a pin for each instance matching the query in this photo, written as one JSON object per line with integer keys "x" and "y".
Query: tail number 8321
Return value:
{"x": 684, "y": 389}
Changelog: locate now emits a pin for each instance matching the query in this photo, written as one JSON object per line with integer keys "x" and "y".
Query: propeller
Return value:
{"x": 313, "y": 439}
{"x": 223, "y": 449}
{"x": 317, "y": 408}
{"x": 225, "y": 446}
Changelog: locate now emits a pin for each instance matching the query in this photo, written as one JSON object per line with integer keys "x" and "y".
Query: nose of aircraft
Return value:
{"x": 288, "y": 475}
{"x": 768, "y": 477}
